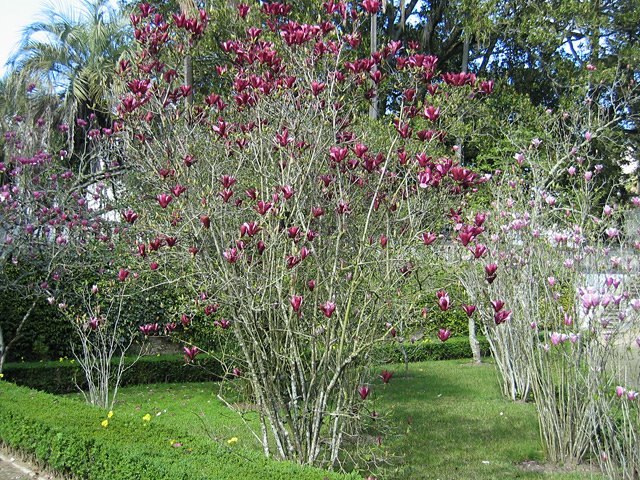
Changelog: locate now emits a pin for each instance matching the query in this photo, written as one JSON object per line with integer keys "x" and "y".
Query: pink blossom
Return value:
{"x": 386, "y": 376}
{"x": 519, "y": 157}
{"x": 469, "y": 309}
{"x": 612, "y": 232}
{"x": 328, "y": 308}
{"x": 444, "y": 334}
{"x": 123, "y": 274}
{"x": 443, "y": 300}
{"x": 364, "y": 392}
{"x": 296, "y": 303}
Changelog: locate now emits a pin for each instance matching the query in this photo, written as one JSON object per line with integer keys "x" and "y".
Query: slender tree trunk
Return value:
{"x": 4, "y": 348}
{"x": 188, "y": 77}
{"x": 373, "y": 108}
{"x": 3, "y": 353}
{"x": 188, "y": 7}
{"x": 465, "y": 54}
{"x": 473, "y": 342}
{"x": 464, "y": 68}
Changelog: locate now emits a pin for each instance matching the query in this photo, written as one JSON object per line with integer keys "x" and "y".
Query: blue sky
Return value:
{"x": 17, "y": 14}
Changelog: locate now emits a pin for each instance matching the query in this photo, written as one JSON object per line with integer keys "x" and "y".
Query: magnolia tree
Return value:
{"x": 555, "y": 290}
{"x": 294, "y": 219}
{"x": 51, "y": 205}
{"x": 97, "y": 304}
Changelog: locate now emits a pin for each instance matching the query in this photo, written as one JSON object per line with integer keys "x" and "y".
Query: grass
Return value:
{"x": 457, "y": 425}
{"x": 450, "y": 419}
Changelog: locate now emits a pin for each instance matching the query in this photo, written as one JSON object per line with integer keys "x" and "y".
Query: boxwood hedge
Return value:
{"x": 65, "y": 376}
{"x": 67, "y": 436}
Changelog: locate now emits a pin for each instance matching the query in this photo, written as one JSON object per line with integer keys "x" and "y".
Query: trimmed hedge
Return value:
{"x": 455, "y": 347}
{"x": 67, "y": 436}
{"x": 61, "y": 377}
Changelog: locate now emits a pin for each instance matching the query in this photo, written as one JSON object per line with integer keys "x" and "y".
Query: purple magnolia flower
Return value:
{"x": 296, "y": 303}
{"x": 164, "y": 200}
{"x": 386, "y": 376}
{"x": 190, "y": 353}
{"x": 479, "y": 250}
{"x": 328, "y": 308}
{"x": 231, "y": 255}
{"x": 428, "y": 238}
{"x": 364, "y": 392}
{"x": 443, "y": 300}
{"x": 497, "y": 305}
{"x": 490, "y": 272}
{"x": 130, "y": 216}
{"x": 469, "y": 309}
{"x": 502, "y": 316}
{"x": 444, "y": 334}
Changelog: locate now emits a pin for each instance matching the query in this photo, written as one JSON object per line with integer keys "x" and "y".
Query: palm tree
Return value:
{"x": 72, "y": 57}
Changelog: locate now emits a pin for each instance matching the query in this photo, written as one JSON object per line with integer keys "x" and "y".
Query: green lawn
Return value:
{"x": 450, "y": 421}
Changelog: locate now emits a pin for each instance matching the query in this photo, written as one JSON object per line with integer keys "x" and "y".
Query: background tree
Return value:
{"x": 72, "y": 56}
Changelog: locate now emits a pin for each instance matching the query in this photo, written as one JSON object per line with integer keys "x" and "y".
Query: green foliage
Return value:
{"x": 68, "y": 437}
{"x": 47, "y": 336}
{"x": 421, "y": 351}
{"x": 63, "y": 376}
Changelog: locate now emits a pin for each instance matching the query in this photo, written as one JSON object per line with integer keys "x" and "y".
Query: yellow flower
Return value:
{"x": 232, "y": 440}
{"x": 110, "y": 414}
{"x": 1, "y": 375}
{"x": 147, "y": 418}
{"x": 105, "y": 423}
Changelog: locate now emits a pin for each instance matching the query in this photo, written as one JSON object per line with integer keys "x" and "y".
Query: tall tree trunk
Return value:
{"x": 373, "y": 108}
{"x": 465, "y": 54}
{"x": 473, "y": 340}
{"x": 188, "y": 8}
{"x": 188, "y": 77}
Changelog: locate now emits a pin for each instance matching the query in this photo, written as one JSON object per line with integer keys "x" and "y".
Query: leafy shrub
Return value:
{"x": 455, "y": 347}
{"x": 47, "y": 336}
{"x": 67, "y": 436}
{"x": 63, "y": 376}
